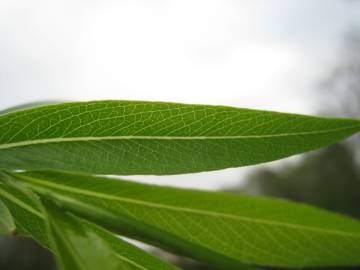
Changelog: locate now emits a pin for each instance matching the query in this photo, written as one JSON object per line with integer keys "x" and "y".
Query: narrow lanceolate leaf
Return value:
{"x": 30, "y": 221}
{"x": 7, "y": 225}
{"x": 80, "y": 245}
{"x": 221, "y": 229}
{"x": 128, "y": 137}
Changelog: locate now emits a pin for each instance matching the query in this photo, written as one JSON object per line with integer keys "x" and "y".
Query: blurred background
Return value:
{"x": 282, "y": 55}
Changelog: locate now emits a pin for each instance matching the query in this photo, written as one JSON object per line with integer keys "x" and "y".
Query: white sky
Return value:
{"x": 266, "y": 54}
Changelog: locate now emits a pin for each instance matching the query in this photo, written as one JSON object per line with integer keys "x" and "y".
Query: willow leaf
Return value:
{"x": 219, "y": 228}
{"x": 31, "y": 221}
{"x": 21, "y": 202}
{"x": 80, "y": 245}
{"x": 128, "y": 137}
{"x": 7, "y": 224}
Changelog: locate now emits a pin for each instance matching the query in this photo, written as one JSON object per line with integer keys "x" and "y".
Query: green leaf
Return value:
{"x": 31, "y": 222}
{"x": 219, "y": 228}
{"x": 80, "y": 245}
{"x": 28, "y": 218}
{"x": 7, "y": 225}
{"x": 133, "y": 137}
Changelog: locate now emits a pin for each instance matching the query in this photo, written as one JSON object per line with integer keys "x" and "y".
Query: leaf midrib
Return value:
{"x": 136, "y": 137}
{"x": 21, "y": 204}
{"x": 182, "y": 209}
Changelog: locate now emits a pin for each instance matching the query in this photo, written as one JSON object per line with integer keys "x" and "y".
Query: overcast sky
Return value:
{"x": 266, "y": 54}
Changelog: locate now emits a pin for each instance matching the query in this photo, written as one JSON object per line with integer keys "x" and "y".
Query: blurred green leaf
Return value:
{"x": 80, "y": 245}
{"x": 219, "y": 228}
{"x": 7, "y": 225}
{"x": 23, "y": 206}
{"x": 133, "y": 137}
{"x": 31, "y": 221}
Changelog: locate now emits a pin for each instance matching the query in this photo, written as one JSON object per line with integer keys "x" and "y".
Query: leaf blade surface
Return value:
{"x": 127, "y": 137}
{"x": 30, "y": 221}
{"x": 7, "y": 225}
{"x": 221, "y": 229}
{"x": 80, "y": 245}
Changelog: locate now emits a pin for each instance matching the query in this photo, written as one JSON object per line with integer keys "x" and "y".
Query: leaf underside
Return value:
{"x": 219, "y": 228}
{"x": 72, "y": 239}
{"x": 7, "y": 225}
{"x": 49, "y": 153}
{"x": 128, "y": 137}
{"x": 80, "y": 245}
